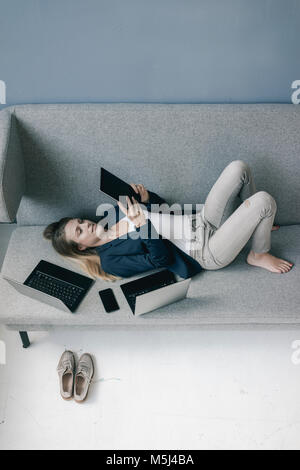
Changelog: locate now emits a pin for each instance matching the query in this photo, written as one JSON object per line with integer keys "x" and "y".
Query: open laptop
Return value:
{"x": 54, "y": 285}
{"x": 154, "y": 291}
{"x": 115, "y": 187}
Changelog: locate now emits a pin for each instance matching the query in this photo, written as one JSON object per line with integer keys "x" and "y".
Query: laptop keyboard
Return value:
{"x": 151, "y": 288}
{"x": 64, "y": 291}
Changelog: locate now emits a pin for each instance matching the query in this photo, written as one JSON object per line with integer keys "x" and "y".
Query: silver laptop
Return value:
{"x": 153, "y": 291}
{"x": 37, "y": 295}
{"x": 161, "y": 297}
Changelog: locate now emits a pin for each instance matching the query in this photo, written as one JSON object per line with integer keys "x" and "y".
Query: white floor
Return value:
{"x": 181, "y": 389}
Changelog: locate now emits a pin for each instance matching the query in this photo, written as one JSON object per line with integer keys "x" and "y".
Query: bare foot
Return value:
{"x": 275, "y": 227}
{"x": 269, "y": 262}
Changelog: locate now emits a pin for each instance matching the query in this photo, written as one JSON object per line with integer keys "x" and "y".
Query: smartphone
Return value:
{"x": 109, "y": 300}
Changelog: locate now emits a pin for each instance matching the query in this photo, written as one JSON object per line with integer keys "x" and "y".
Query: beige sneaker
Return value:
{"x": 83, "y": 377}
{"x": 66, "y": 371}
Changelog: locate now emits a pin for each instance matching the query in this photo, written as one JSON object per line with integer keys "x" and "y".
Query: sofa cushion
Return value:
{"x": 175, "y": 150}
{"x": 239, "y": 293}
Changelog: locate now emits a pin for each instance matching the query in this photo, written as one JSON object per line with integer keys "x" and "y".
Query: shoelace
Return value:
{"x": 65, "y": 366}
{"x": 84, "y": 370}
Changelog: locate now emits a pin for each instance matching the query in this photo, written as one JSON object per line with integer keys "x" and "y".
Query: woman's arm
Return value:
{"x": 160, "y": 254}
{"x": 147, "y": 197}
{"x": 157, "y": 256}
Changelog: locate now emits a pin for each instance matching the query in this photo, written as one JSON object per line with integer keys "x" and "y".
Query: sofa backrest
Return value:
{"x": 175, "y": 150}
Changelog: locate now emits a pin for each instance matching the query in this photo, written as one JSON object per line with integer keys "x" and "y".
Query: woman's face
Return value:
{"x": 83, "y": 232}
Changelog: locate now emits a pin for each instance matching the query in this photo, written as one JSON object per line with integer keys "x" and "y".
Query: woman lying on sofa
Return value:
{"x": 185, "y": 244}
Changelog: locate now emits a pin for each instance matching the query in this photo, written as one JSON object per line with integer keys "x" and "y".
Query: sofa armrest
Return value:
{"x": 12, "y": 174}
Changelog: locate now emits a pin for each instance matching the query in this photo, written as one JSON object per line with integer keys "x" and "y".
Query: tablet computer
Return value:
{"x": 115, "y": 187}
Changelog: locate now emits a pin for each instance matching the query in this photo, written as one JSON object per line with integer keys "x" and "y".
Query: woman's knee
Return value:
{"x": 239, "y": 166}
{"x": 263, "y": 199}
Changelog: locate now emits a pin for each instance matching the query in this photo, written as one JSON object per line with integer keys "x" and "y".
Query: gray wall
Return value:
{"x": 174, "y": 51}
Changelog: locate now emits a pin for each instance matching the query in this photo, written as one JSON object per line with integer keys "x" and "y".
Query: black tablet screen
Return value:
{"x": 115, "y": 187}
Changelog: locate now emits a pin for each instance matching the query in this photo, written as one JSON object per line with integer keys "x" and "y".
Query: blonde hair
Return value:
{"x": 89, "y": 260}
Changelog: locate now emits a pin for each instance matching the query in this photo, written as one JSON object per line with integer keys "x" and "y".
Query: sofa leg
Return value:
{"x": 25, "y": 339}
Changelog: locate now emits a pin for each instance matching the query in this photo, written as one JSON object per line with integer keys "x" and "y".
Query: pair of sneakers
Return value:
{"x": 75, "y": 381}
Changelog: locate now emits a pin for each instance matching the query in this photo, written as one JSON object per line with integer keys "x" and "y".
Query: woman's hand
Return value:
{"x": 134, "y": 212}
{"x": 142, "y": 191}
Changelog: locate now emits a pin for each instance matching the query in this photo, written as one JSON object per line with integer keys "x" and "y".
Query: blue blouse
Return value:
{"x": 126, "y": 257}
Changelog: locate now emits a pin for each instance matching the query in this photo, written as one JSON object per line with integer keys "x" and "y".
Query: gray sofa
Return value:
{"x": 50, "y": 156}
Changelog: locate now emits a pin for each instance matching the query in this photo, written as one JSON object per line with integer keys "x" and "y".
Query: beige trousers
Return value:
{"x": 226, "y": 231}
